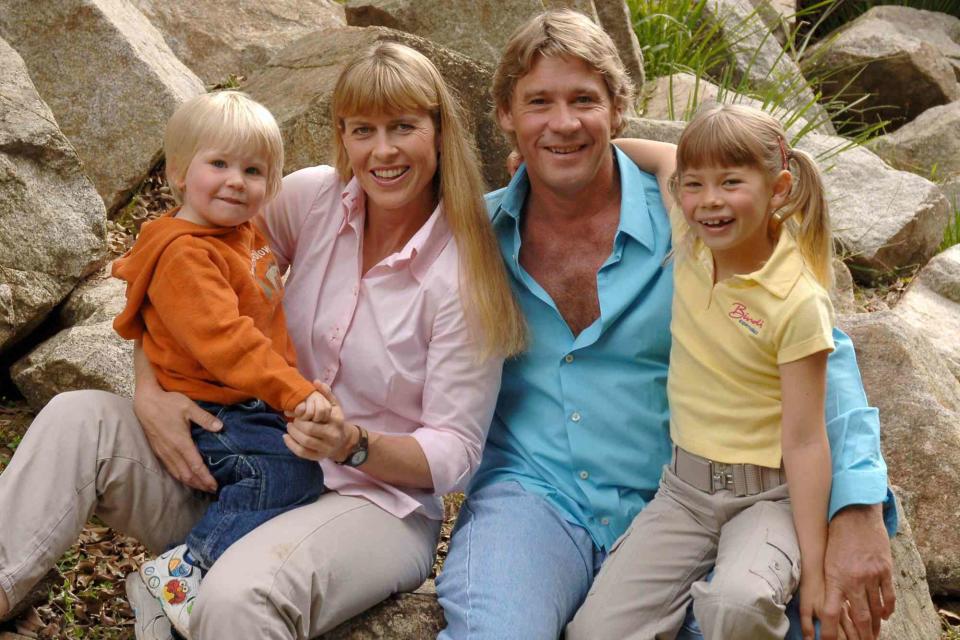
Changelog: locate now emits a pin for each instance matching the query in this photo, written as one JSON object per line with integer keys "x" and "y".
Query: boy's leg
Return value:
{"x": 756, "y": 573}
{"x": 85, "y": 453}
{"x": 309, "y": 569}
{"x": 643, "y": 588}
{"x": 258, "y": 476}
{"x": 516, "y": 568}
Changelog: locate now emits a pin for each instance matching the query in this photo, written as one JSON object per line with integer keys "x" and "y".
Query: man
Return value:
{"x": 581, "y": 428}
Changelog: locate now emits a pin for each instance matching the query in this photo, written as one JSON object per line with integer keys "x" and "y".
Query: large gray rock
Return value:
{"x": 87, "y": 355}
{"x": 915, "y": 617}
{"x": 480, "y": 28}
{"x": 215, "y": 42}
{"x": 932, "y": 305}
{"x": 52, "y": 223}
{"x": 883, "y": 219}
{"x": 760, "y": 62}
{"x": 901, "y": 72}
{"x": 297, "y": 84}
{"x": 919, "y": 402}
{"x": 940, "y": 30}
{"x": 927, "y": 146}
{"x": 109, "y": 78}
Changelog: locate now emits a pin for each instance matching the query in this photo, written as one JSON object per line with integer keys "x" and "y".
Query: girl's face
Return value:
{"x": 223, "y": 189}
{"x": 729, "y": 209}
{"x": 394, "y": 157}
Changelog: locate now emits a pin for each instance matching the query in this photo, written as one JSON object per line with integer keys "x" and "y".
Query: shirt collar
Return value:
{"x": 421, "y": 249}
{"x": 634, "y": 212}
{"x": 782, "y": 270}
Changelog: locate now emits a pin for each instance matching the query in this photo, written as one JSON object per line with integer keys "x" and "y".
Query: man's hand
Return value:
{"x": 165, "y": 418}
{"x": 858, "y": 571}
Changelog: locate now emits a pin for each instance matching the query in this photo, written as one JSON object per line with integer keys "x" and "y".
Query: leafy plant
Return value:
{"x": 951, "y": 235}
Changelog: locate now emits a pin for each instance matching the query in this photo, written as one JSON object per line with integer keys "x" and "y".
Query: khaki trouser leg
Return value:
{"x": 309, "y": 569}
{"x": 757, "y": 571}
{"x": 85, "y": 453}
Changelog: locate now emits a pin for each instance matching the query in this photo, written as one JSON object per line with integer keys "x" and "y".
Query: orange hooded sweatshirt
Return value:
{"x": 206, "y": 302}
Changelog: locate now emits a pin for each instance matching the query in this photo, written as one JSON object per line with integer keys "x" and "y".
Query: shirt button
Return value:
{"x": 584, "y": 475}
{"x": 575, "y": 416}
{"x": 604, "y": 521}
{"x": 568, "y": 357}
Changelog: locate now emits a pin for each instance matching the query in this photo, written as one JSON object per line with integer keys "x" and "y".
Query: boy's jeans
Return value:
{"x": 258, "y": 476}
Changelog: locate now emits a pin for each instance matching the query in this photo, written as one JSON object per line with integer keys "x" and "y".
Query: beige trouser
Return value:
{"x": 296, "y": 576}
{"x": 645, "y": 585}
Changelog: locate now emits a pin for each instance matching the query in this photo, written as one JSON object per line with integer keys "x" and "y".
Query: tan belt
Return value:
{"x": 709, "y": 476}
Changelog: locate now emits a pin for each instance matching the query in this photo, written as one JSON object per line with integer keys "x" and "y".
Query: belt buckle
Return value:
{"x": 721, "y": 476}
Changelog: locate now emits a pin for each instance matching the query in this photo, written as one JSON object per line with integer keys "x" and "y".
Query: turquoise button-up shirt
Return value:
{"x": 583, "y": 420}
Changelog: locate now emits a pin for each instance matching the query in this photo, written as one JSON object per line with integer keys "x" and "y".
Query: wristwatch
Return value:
{"x": 357, "y": 455}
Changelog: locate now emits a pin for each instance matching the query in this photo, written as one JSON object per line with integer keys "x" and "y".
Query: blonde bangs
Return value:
{"x": 717, "y": 140}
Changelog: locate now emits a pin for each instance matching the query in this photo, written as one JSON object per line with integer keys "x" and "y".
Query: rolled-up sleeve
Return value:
{"x": 853, "y": 428}
{"x": 459, "y": 396}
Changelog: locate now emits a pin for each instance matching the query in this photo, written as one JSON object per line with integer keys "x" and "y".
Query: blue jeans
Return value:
{"x": 517, "y": 570}
{"x": 258, "y": 476}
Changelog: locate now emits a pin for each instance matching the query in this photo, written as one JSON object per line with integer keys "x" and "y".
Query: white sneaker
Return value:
{"x": 151, "y": 623}
{"x": 174, "y": 579}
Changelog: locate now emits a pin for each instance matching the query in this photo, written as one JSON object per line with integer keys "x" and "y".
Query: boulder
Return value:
{"x": 109, "y": 78}
{"x": 932, "y": 305}
{"x": 480, "y": 28}
{"x": 88, "y": 355}
{"x": 297, "y": 84}
{"x": 404, "y": 616}
{"x": 919, "y": 401}
{"x": 883, "y": 219}
{"x": 759, "y": 62}
{"x": 901, "y": 73}
{"x": 951, "y": 189}
{"x": 938, "y": 29}
{"x": 215, "y": 43}
{"x": 842, "y": 293}
{"x": 928, "y": 146}
{"x": 915, "y": 617}
{"x": 52, "y": 222}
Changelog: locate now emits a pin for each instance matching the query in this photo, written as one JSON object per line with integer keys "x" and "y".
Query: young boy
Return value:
{"x": 204, "y": 297}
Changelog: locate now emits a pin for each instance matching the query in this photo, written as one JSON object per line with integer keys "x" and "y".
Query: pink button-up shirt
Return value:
{"x": 392, "y": 343}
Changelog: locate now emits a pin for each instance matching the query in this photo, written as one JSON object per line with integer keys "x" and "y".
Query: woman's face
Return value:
{"x": 394, "y": 157}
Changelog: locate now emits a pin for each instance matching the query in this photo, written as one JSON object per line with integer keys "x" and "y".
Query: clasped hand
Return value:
{"x": 318, "y": 430}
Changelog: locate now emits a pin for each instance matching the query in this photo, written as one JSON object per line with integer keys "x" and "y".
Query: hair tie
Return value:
{"x": 784, "y": 155}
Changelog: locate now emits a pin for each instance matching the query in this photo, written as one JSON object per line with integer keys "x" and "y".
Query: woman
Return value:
{"x": 399, "y": 307}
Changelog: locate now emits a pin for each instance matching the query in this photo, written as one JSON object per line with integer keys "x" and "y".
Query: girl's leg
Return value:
{"x": 85, "y": 453}
{"x": 642, "y": 590}
{"x": 309, "y": 569}
{"x": 757, "y": 571}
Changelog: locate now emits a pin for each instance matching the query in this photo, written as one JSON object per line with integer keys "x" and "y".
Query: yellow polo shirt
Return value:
{"x": 727, "y": 342}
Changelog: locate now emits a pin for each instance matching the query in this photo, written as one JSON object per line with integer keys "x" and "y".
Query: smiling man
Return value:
{"x": 580, "y": 432}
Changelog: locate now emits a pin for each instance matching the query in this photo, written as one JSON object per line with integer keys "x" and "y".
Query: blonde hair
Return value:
{"x": 228, "y": 121}
{"x": 392, "y": 78}
{"x": 564, "y": 33}
{"x": 736, "y": 135}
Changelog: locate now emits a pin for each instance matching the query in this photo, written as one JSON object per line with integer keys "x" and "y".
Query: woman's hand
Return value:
{"x": 332, "y": 438}
{"x": 165, "y": 418}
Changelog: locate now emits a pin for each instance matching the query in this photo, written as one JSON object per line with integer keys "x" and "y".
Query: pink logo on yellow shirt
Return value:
{"x": 739, "y": 313}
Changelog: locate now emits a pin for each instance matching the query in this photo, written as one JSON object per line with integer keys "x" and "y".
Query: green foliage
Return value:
{"x": 951, "y": 235}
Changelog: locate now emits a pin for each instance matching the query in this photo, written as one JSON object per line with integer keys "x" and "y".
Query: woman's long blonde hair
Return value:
{"x": 731, "y": 135}
{"x": 390, "y": 78}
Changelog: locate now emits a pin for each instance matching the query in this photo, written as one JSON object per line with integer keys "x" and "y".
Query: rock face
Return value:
{"x": 919, "y": 401}
{"x": 930, "y": 144}
{"x": 884, "y": 219}
{"x": 214, "y": 42}
{"x": 932, "y": 305}
{"x": 901, "y": 70}
{"x": 88, "y": 355}
{"x": 915, "y": 617}
{"x": 52, "y": 223}
{"x": 480, "y": 28}
{"x": 109, "y": 79}
{"x": 297, "y": 85}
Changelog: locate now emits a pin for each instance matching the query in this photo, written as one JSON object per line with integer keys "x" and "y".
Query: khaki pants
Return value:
{"x": 645, "y": 585}
{"x": 296, "y": 576}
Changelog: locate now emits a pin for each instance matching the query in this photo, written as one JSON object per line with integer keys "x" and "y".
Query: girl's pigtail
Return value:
{"x": 812, "y": 230}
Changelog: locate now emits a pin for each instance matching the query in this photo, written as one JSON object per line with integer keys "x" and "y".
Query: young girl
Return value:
{"x": 751, "y": 331}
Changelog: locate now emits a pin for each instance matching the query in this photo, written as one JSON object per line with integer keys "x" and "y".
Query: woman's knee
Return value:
{"x": 738, "y": 608}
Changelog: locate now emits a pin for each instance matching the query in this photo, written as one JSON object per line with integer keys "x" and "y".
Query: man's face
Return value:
{"x": 562, "y": 115}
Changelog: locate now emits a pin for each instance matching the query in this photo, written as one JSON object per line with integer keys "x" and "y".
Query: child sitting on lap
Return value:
{"x": 204, "y": 296}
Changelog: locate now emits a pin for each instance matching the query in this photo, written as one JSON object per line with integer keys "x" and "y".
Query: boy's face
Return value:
{"x": 223, "y": 189}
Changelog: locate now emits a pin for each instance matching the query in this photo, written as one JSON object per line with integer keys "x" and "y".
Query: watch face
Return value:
{"x": 358, "y": 458}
